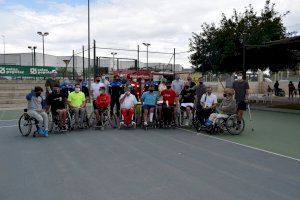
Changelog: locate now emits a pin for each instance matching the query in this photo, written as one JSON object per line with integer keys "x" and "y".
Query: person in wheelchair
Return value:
{"x": 36, "y": 110}
{"x": 149, "y": 101}
{"x": 208, "y": 105}
{"x": 169, "y": 104}
{"x": 77, "y": 104}
{"x": 187, "y": 98}
{"x": 128, "y": 102}
{"x": 57, "y": 101}
{"x": 226, "y": 108}
{"x": 102, "y": 104}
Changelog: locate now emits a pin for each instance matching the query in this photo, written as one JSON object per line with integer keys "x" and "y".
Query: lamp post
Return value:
{"x": 43, "y": 35}
{"x": 147, "y": 45}
{"x": 32, "y": 48}
{"x": 113, "y": 54}
{"x": 66, "y": 62}
{"x": 3, "y": 36}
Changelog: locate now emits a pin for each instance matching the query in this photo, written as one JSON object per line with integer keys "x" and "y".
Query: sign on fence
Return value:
{"x": 25, "y": 71}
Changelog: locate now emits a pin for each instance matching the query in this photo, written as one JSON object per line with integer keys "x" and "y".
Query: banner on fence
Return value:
{"x": 25, "y": 71}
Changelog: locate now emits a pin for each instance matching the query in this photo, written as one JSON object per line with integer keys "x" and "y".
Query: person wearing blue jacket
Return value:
{"x": 36, "y": 110}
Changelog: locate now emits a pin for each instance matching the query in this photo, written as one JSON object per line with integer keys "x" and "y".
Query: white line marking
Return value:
{"x": 266, "y": 151}
{"x": 8, "y": 126}
{"x": 8, "y": 120}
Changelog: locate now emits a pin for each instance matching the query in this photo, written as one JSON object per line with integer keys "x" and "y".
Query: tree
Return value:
{"x": 220, "y": 49}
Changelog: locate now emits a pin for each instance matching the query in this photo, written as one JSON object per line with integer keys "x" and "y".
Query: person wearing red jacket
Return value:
{"x": 102, "y": 103}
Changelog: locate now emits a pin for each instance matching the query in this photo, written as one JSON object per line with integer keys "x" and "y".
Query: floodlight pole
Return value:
{"x": 89, "y": 47}
{"x": 43, "y": 35}
{"x": 147, "y": 46}
{"x": 3, "y": 36}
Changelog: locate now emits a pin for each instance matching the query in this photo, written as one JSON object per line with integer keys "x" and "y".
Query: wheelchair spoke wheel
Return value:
{"x": 114, "y": 121}
{"x": 235, "y": 126}
{"x": 92, "y": 120}
{"x": 25, "y": 124}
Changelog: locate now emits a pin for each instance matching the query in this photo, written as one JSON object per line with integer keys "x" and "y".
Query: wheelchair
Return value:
{"x": 167, "y": 117}
{"x": 27, "y": 124}
{"x": 54, "y": 123}
{"x": 183, "y": 120}
{"x": 106, "y": 120}
{"x": 130, "y": 125}
{"x": 71, "y": 116}
{"x": 153, "y": 124}
{"x": 230, "y": 124}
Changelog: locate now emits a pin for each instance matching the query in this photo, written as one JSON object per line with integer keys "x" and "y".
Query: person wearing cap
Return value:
{"x": 128, "y": 102}
{"x": 102, "y": 103}
{"x": 227, "y": 107}
{"x": 51, "y": 82}
{"x": 115, "y": 91}
{"x": 149, "y": 101}
{"x": 57, "y": 101}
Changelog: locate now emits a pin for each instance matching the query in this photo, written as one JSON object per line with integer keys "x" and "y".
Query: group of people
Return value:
{"x": 159, "y": 101}
{"x": 291, "y": 88}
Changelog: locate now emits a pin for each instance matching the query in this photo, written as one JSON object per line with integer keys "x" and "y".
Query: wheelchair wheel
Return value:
{"x": 92, "y": 119}
{"x": 113, "y": 121}
{"x": 25, "y": 124}
{"x": 234, "y": 126}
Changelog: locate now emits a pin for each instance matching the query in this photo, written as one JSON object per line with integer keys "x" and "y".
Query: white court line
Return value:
{"x": 8, "y": 120}
{"x": 8, "y": 126}
{"x": 266, "y": 151}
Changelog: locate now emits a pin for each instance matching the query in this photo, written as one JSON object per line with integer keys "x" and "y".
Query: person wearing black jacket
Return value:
{"x": 115, "y": 91}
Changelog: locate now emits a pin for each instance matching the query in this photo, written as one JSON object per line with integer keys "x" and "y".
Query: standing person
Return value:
{"x": 191, "y": 83}
{"x": 115, "y": 91}
{"x": 162, "y": 86}
{"x": 66, "y": 87}
{"x": 169, "y": 104}
{"x": 208, "y": 105}
{"x": 177, "y": 84}
{"x": 83, "y": 86}
{"x": 292, "y": 89}
{"x": 77, "y": 104}
{"x": 58, "y": 107}
{"x": 241, "y": 89}
{"x": 200, "y": 89}
{"x": 95, "y": 87}
{"x": 128, "y": 102}
{"x": 51, "y": 82}
{"x": 36, "y": 110}
{"x": 276, "y": 88}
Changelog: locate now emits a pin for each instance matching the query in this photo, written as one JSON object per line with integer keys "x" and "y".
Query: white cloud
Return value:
{"x": 166, "y": 24}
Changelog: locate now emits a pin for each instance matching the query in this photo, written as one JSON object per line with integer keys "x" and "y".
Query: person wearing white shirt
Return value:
{"x": 177, "y": 84}
{"x": 128, "y": 102}
{"x": 208, "y": 105}
{"x": 95, "y": 88}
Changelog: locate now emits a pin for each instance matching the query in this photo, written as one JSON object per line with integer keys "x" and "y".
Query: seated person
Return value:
{"x": 227, "y": 107}
{"x": 58, "y": 107}
{"x": 77, "y": 104}
{"x": 187, "y": 98}
{"x": 36, "y": 110}
{"x": 102, "y": 103}
{"x": 208, "y": 105}
{"x": 169, "y": 103}
{"x": 128, "y": 102}
{"x": 149, "y": 100}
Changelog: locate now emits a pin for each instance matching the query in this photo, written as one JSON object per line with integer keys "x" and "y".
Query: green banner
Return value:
{"x": 28, "y": 71}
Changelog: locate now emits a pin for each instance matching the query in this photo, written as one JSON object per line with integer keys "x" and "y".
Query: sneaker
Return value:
{"x": 121, "y": 123}
{"x": 133, "y": 124}
{"x": 46, "y": 133}
{"x": 40, "y": 131}
{"x": 145, "y": 124}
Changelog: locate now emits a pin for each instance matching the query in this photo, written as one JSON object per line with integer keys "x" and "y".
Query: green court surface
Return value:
{"x": 273, "y": 131}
